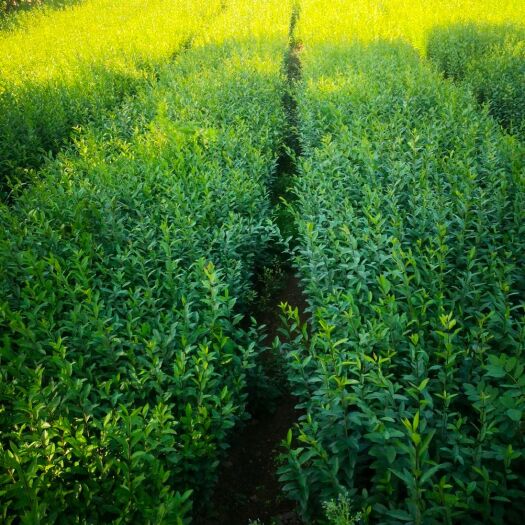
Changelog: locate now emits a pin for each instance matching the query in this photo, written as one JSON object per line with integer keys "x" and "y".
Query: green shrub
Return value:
{"x": 491, "y": 59}
{"x": 123, "y": 363}
{"x": 66, "y": 68}
{"x": 410, "y": 212}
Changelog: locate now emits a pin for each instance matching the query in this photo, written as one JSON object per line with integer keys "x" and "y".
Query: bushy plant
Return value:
{"x": 342, "y": 22}
{"x": 125, "y": 268}
{"x": 491, "y": 60}
{"x": 66, "y": 68}
{"x": 410, "y": 211}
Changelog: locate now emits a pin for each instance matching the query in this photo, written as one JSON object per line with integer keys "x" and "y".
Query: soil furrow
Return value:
{"x": 248, "y": 489}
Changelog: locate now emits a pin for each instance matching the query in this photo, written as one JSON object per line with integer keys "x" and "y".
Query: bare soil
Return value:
{"x": 248, "y": 486}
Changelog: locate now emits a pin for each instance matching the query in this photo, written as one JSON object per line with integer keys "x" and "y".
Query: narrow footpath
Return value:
{"x": 248, "y": 490}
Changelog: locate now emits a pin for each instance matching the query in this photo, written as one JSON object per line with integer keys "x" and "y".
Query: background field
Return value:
{"x": 61, "y": 69}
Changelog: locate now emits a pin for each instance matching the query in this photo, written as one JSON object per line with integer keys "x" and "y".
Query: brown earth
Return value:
{"x": 248, "y": 487}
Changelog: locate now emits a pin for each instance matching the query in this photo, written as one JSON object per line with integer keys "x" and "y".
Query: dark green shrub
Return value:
{"x": 123, "y": 365}
{"x": 410, "y": 212}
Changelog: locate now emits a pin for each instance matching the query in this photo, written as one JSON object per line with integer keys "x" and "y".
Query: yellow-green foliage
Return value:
{"x": 478, "y": 39}
{"x": 411, "y": 20}
{"x": 61, "y": 67}
{"x": 248, "y": 21}
{"x": 119, "y": 36}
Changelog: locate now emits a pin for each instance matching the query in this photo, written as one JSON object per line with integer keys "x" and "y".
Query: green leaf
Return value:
{"x": 423, "y": 384}
{"x": 514, "y": 414}
{"x": 400, "y": 515}
{"x": 390, "y": 453}
{"x": 415, "y": 424}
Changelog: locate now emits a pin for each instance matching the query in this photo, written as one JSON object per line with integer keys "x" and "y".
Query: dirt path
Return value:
{"x": 248, "y": 488}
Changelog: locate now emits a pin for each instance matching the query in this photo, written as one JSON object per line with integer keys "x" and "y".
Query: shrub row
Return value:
{"x": 491, "y": 60}
{"x": 123, "y": 362}
{"x": 61, "y": 69}
{"x": 410, "y": 210}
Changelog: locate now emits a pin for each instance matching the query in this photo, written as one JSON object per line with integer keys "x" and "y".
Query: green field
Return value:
{"x": 169, "y": 169}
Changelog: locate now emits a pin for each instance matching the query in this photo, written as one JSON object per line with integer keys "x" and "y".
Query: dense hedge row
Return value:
{"x": 491, "y": 59}
{"x": 123, "y": 363}
{"x": 410, "y": 209}
{"x": 61, "y": 69}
